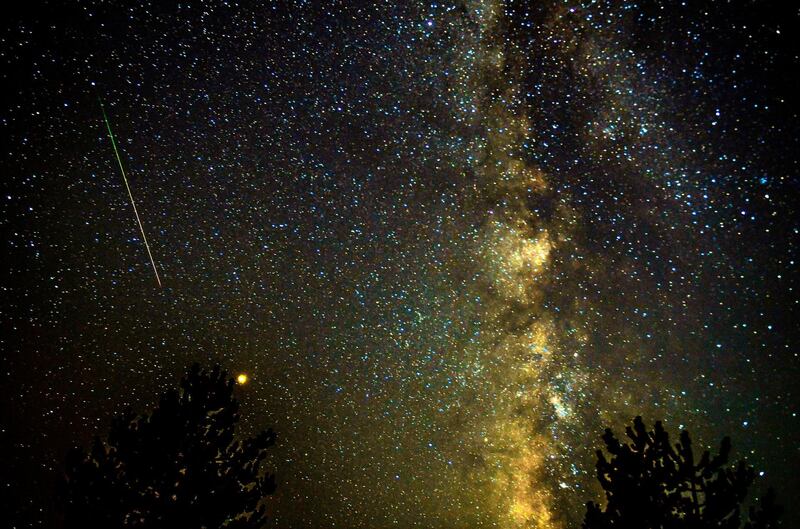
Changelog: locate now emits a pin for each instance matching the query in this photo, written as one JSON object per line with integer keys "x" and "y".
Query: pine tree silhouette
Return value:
{"x": 649, "y": 484}
{"x": 179, "y": 467}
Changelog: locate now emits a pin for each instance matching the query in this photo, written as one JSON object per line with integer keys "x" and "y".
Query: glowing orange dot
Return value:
{"x": 242, "y": 378}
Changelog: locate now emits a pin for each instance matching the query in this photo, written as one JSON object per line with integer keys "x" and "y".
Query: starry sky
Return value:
{"x": 449, "y": 242}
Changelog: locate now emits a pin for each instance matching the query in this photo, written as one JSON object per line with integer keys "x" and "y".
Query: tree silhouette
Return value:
{"x": 180, "y": 466}
{"x": 649, "y": 484}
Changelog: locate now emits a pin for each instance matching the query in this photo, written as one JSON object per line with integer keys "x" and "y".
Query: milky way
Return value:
{"x": 447, "y": 243}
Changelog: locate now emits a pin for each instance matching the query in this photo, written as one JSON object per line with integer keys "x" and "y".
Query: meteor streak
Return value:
{"x": 130, "y": 195}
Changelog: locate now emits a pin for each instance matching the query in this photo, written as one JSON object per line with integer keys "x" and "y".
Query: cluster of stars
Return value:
{"x": 440, "y": 246}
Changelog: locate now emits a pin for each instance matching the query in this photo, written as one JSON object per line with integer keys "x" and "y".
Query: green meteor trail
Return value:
{"x": 130, "y": 195}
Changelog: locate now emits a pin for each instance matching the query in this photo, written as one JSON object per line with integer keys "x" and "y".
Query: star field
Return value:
{"x": 448, "y": 243}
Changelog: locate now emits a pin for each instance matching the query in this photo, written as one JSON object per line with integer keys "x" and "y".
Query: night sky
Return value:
{"x": 448, "y": 243}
